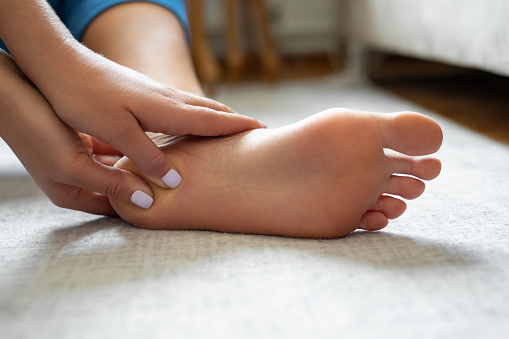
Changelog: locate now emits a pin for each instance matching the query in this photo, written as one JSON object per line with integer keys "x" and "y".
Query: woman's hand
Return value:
{"x": 117, "y": 105}
{"x": 101, "y": 98}
{"x": 55, "y": 155}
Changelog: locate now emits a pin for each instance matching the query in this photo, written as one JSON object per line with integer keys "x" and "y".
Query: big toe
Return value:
{"x": 410, "y": 133}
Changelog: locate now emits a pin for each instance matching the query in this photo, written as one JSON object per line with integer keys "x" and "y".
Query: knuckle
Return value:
{"x": 216, "y": 123}
{"x": 179, "y": 104}
{"x": 222, "y": 107}
{"x": 175, "y": 101}
{"x": 212, "y": 103}
{"x": 155, "y": 166}
{"x": 411, "y": 166}
{"x": 115, "y": 189}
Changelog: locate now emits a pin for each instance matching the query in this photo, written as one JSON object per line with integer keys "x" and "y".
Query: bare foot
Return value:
{"x": 322, "y": 177}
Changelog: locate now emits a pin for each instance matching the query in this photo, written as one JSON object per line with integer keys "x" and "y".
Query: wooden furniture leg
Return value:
{"x": 207, "y": 66}
{"x": 235, "y": 58}
{"x": 263, "y": 38}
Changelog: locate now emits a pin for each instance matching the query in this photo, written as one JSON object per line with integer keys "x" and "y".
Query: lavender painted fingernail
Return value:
{"x": 142, "y": 199}
{"x": 172, "y": 179}
{"x": 263, "y": 124}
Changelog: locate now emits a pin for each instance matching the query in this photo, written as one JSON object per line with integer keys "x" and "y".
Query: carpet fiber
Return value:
{"x": 441, "y": 270}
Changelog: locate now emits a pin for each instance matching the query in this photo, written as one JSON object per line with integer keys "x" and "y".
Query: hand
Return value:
{"x": 117, "y": 105}
{"x": 55, "y": 155}
{"x": 84, "y": 91}
{"x": 103, "y": 153}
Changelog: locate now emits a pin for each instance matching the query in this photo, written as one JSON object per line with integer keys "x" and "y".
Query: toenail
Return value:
{"x": 172, "y": 179}
{"x": 142, "y": 199}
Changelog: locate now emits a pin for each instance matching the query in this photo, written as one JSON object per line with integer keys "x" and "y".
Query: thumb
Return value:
{"x": 149, "y": 159}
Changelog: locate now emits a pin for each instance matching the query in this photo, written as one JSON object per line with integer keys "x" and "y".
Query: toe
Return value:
{"x": 410, "y": 133}
{"x": 373, "y": 221}
{"x": 391, "y": 207}
{"x": 405, "y": 187}
{"x": 378, "y": 217}
{"x": 425, "y": 168}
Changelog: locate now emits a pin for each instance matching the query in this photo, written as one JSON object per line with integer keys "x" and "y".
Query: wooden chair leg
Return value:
{"x": 235, "y": 58}
{"x": 263, "y": 37}
{"x": 207, "y": 66}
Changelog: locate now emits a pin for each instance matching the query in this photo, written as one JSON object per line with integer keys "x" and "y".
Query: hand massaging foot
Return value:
{"x": 322, "y": 177}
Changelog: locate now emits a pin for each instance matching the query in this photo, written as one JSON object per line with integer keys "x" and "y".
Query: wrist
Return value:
{"x": 11, "y": 98}
{"x": 35, "y": 37}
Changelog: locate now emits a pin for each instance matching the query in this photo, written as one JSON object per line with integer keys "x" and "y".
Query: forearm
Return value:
{"x": 36, "y": 38}
{"x": 17, "y": 122}
{"x": 8, "y": 72}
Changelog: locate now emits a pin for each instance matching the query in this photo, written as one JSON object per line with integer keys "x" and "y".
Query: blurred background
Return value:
{"x": 450, "y": 57}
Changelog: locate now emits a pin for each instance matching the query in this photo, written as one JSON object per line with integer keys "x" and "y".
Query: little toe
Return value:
{"x": 373, "y": 221}
{"x": 405, "y": 187}
{"x": 425, "y": 168}
{"x": 378, "y": 217}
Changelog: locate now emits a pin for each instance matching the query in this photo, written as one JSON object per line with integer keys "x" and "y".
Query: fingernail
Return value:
{"x": 172, "y": 179}
{"x": 261, "y": 123}
{"x": 142, "y": 199}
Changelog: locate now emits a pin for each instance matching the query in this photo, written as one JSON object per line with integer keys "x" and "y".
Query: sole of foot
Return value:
{"x": 322, "y": 177}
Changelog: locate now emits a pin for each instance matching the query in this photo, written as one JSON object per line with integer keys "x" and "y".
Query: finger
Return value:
{"x": 196, "y": 100}
{"x": 195, "y": 120}
{"x": 150, "y": 160}
{"x": 108, "y": 160}
{"x": 208, "y": 122}
{"x": 171, "y": 116}
{"x": 96, "y": 146}
{"x": 87, "y": 142}
{"x": 112, "y": 182}
{"x": 103, "y": 148}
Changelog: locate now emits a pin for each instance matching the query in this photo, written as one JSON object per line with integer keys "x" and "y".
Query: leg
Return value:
{"x": 147, "y": 38}
{"x": 322, "y": 177}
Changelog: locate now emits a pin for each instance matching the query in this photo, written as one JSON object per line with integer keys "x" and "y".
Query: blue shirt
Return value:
{"x": 78, "y": 14}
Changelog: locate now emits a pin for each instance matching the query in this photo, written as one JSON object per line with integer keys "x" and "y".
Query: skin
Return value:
{"x": 322, "y": 177}
{"x": 90, "y": 93}
{"x": 247, "y": 182}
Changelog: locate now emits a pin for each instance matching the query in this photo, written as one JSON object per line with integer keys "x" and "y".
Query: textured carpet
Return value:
{"x": 440, "y": 271}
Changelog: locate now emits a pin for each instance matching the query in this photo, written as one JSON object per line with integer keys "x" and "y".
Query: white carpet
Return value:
{"x": 440, "y": 271}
